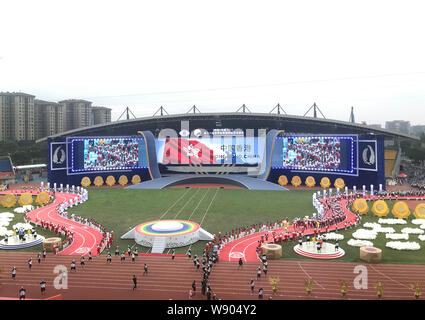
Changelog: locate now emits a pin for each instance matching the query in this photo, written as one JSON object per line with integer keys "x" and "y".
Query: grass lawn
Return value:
{"x": 214, "y": 209}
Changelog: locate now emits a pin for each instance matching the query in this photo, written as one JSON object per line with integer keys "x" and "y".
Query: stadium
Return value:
{"x": 220, "y": 199}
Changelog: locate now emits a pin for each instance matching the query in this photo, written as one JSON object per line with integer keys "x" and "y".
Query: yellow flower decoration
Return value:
{"x": 401, "y": 210}
{"x": 283, "y": 180}
{"x": 123, "y": 180}
{"x": 136, "y": 179}
{"x": 310, "y": 181}
{"x": 420, "y": 211}
{"x": 380, "y": 208}
{"x": 8, "y": 201}
{"x": 325, "y": 182}
{"x": 98, "y": 181}
{"x": 85, "y": 182}
{"x": 42, "y": 198}
{"x": 296, "y": 181}
{"x": 339, "y": 183}
{"x": 25, "y": 199}
{"x": 360, "y": 205}
{"x": 110, "y": 181}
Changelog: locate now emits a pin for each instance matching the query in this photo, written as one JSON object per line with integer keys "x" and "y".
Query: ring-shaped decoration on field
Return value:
{"x": 310, "y": 181}
{"x": 98, "y": 181}
{"x": 25, "y": 199}
{"x": 283, "y": 180}
{"x": 85, "y": 182}
{"x": 325, "y": 182}
{"x": 420, "y": 211}
{"x": 296, "y": 181}
{"x": 401, "y": 210}
{"x": 167, "y": 228}
{"x": 110, "y": 181}
{"x": 8, "y": 201}
{"x": 339, "y": 183}
{"x": 361, "y": 206}
{"x": 123, "y": 180}
{"x": 136, "y": 179}
{"x": 380, "y": 208}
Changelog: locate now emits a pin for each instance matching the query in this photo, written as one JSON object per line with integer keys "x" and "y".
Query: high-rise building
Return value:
{"x": 101, "y": 115}
{"x": 16, "y": 116}
{"x": 49, "y": 118}
{"x": 78, "y": 113}
{"x": 400, "y": 126}
{"x": 417, "y": 130}
{"x": 375, "y": 126}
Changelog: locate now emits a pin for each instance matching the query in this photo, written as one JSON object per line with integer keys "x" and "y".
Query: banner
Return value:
{"x": 368, "y": 155}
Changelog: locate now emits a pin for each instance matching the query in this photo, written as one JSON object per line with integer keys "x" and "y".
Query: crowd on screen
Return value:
{"x": 111, "y": 154}
{"x": 312, "y": 154}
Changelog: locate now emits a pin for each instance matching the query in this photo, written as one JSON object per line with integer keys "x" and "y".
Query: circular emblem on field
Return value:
{"x": 236, "y": 255}
{"x": 82, "y": 250}
{"x": 167, "y": 228}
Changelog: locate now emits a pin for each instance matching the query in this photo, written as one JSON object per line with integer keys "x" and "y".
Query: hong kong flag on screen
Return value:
{"x": 186, "y": 151}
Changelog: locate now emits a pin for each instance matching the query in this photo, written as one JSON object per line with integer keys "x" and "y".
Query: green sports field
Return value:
{"x": 217, "y": 210}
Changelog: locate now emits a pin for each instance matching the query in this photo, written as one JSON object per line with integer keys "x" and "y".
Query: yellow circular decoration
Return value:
{"x": 283, "y": 180}
{"x": 136, "y": 179}
{"x": 310, "y": 181}
{"x": 339, "y": 183}
{"x": 380, "y": 208}
{"x": 296, "y": 181}
{"x": 42, "y": 198}
{"x": 123, "y": 180}
{"x": 361, "y": 206}
{"x": 110, "y": 181}
{"x": 420, "y": 211}
{"x": 25, "y": 199}
{"x": 8, "y": 201}
{"x": 401, "y": 210}
{"x": 98, "y": 181}
{"x": 325, "y": 182}
{"x": 85, "y": 182}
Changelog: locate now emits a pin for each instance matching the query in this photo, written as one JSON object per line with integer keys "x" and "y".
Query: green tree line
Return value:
{"x": 24, "y": 152}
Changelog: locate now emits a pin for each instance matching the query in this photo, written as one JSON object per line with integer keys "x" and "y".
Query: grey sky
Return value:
{"x": 219, "y": 55}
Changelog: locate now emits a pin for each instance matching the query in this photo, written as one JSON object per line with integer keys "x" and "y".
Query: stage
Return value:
{"x": 243, "y": 181}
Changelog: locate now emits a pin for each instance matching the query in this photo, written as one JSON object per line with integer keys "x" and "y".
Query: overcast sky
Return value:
{"x": 219, "y": 55}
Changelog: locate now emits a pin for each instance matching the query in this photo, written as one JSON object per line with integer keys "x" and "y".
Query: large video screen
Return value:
{"x": 315, "y": 153}
{"x": 211, "y": 150}
{"x": 108, "y": 154}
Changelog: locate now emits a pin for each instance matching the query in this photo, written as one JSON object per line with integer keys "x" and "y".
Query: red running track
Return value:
{"x": 85, "y": 239}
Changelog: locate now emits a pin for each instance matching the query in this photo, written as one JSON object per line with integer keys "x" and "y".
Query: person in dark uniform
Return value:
{"x": 173, "y": 254}
{"x": 90, "y": 257}
{"x": 240, "y": 263}
{"x": 134, "y": 282}
{"x": 30, "y": 263}
{"x": 44, "y": 254}
{"x": 260, "y": 293}
{"x": 194, "y": 287}
{"x": 39, "y": 257}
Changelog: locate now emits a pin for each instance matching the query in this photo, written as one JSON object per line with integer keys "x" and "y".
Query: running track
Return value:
{"x": 245, "y": 247}
{"x": 85, "y": 239}
{"x": 168, "y": 279}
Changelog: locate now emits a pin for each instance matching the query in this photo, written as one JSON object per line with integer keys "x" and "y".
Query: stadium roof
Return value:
{"x": 289, "y": 123}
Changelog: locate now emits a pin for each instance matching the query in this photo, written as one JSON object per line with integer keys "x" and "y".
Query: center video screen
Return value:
{"x": 210, "y": 151}
{"x": 317, "y": 153}
{"x": 106, "y": 154}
